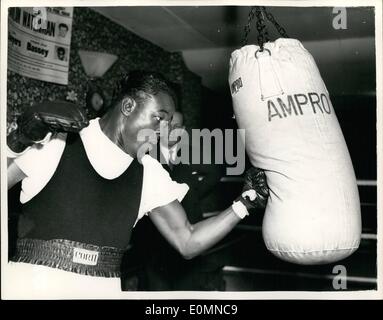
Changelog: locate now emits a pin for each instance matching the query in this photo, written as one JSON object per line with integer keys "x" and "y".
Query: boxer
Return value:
{"x": 85, "y": 191}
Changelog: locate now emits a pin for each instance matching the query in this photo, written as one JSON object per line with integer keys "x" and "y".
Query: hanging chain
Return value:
{"x": 263, "y": 35}
{"x": 277, "y": 26}
{"x": 248, "y": 25}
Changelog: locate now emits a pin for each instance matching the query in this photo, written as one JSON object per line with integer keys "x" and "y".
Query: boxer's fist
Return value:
{"x": 37, "y": 121}
{"x": 255, "y": 191}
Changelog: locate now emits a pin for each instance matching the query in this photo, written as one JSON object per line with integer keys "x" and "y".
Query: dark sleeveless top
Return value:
{"x": 78, "y": 204}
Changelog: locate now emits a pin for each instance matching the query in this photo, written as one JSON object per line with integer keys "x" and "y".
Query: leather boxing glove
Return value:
{"x": 255, "y": 191}
{"x": 34, "y": 124}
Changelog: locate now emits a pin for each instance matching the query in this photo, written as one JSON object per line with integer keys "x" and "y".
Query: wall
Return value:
{"x": 92, "y": 31}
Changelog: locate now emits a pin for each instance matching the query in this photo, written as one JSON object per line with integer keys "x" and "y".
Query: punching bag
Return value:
{"x": 292, "y": 132}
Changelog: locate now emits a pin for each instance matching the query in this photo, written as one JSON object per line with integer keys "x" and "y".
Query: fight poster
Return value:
{"x": 39, "y": 42}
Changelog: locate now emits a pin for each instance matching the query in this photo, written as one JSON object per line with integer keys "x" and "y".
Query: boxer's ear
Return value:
{"x": 128, "y": 104}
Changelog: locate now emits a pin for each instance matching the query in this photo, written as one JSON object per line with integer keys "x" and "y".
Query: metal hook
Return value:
{"x": 259, "y": 50}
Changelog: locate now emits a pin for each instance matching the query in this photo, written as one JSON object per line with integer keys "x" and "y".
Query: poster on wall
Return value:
{"x": 39, "y": 42}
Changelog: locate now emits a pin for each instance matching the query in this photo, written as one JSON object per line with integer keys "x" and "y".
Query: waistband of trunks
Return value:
{"x": 70, "y": 256}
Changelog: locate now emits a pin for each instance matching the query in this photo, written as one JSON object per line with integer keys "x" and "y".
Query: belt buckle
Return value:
{"x": 87, "y": 257}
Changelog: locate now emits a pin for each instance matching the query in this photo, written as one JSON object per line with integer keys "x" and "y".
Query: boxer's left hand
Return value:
{"x": 255, "y": 190}
{"x": 38, "y": 121}
{"x": 54, "y": 116}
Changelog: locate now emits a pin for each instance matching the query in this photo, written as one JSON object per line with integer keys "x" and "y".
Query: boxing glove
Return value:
{"x": 255, "y": 191}
{"x": 34, "y": 124}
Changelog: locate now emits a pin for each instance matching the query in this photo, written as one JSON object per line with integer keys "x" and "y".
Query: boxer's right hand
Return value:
{"x": 255, "y": 190}
{"x": 254, "y": 194}
{"x": 37, "y": 121}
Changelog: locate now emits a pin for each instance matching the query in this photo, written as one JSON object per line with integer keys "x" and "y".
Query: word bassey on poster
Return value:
{"x": 36, "y": 49}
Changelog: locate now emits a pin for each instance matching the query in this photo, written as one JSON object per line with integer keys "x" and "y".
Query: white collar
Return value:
{"x": 107, "y": 158}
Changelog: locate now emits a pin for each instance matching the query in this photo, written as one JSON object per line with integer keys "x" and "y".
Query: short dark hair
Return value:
{"x": 138, "y": 81}
{"x": 63, "y": 25}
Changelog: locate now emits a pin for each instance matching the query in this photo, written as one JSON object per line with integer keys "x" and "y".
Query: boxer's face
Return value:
{"x": 148, "y": 114}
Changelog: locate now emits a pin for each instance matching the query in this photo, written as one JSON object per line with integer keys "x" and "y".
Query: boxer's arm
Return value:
{"x": 15, "y": 174}
{"x": 191, "y": 240}
{"x": 36, "y": 125}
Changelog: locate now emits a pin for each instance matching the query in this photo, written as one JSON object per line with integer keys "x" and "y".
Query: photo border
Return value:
{"x": 252, "y": 295}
